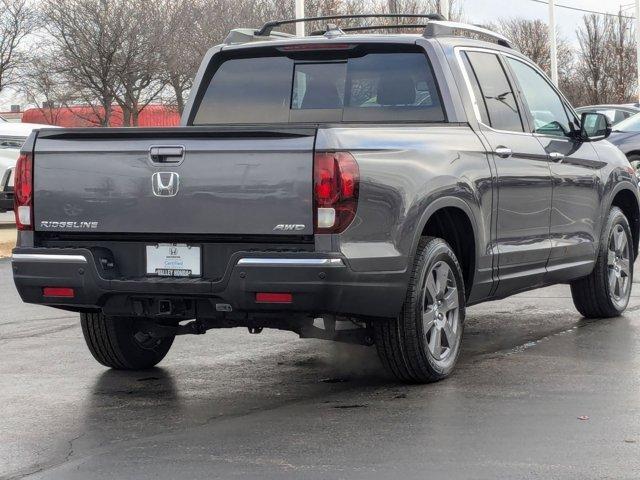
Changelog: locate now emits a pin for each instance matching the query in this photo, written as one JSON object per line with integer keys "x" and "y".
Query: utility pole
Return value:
{"x": 299, "y": 14}
{"x": 638, "y": 43}
{"x": 443, "y": 8}
{"x": 553, "y": 41}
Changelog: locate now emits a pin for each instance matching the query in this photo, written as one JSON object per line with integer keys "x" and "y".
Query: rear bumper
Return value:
{"x": 318, "y": 284}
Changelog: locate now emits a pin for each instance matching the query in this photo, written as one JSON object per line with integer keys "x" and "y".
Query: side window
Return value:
{"x": 495, "y": 90}
{"x": 619, "y": 116}
{"x": 477, "y": 93}
{"x": 546, "y": 106}
{"x": 611, "y": 114}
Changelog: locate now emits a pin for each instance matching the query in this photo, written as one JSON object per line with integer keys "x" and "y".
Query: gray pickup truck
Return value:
{"x": 346, "y": 186}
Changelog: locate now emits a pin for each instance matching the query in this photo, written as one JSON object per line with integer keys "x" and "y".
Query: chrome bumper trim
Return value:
{"x": 47, "y": 258}
{"x": 272, "y": 262}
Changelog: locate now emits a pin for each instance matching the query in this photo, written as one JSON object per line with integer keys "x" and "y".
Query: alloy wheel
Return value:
{"x": 441, "y": 313}
{"x": 619, "y": 266}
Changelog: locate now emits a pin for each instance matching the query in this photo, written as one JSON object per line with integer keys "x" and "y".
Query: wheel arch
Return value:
{"x": 452, "y": 219}
{"x": 626, "y": 200}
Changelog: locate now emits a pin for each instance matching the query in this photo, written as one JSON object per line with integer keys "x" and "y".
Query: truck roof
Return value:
{"x": 435, "y": 27}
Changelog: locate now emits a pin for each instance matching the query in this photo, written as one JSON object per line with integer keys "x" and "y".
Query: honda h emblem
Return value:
{"x": 165, "y": 184}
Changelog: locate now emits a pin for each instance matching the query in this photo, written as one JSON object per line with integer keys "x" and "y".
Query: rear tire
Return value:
{"x": 422, "y": 345}
{"x": 112, "y": 342}
{"x": 605, "y": 292}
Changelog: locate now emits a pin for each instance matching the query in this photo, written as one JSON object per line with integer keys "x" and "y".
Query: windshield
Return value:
{"x": 631, "y": 124}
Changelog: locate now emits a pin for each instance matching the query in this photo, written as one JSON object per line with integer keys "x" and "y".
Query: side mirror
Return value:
{"x": 594, "y": 127}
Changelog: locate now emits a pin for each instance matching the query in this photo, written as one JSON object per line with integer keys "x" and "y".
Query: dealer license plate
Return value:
{"x": 173, "y": 260}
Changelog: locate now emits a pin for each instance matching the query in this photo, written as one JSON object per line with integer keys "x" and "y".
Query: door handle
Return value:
{"x": 166, "y": 154}
{"x": 504, "y": 152}
{"x": 556, "y": 157}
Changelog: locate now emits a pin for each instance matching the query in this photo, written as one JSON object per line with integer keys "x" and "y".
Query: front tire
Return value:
{"x": 113, "y": 342}
{"x": 605, "y": 292}
{"x": 422, "y": 345}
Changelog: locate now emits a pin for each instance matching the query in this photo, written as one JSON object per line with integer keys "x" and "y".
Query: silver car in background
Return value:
{"x": 12, "y": 137}
{"x": 615, "y": 113}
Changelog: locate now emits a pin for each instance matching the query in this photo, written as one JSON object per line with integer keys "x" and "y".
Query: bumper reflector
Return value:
{"x": 266, "y": 297}
{"x": 60, "y": 292}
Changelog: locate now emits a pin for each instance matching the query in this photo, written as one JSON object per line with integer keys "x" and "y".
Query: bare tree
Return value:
{"x": 107, "y": 51}
{"x": 176, "y": 47}
{"x": 593, "y": 57}
{"x": 137, "y": 61}
{"x": 17, "y": 20}
{"x": 417, "y": 7}
{"x": 86, "y": 43}
{"x": 622, "y": 68}
{"x": 606, "y": 60}
{"x": 44, "y": 88}
{"x": 531, "y": 37}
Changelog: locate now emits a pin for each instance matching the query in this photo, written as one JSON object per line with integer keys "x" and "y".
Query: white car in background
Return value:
{"x": 12, "y": 136}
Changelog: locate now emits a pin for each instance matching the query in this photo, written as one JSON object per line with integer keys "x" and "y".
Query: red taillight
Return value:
{"x": 23, "y": 192}
{"x": 59, "y": 292}
{"x": 268, "y": 297}
{"x": 336, "y": 181}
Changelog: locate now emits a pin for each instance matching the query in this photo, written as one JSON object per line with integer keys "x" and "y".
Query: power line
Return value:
{"x": 578, "y": 9}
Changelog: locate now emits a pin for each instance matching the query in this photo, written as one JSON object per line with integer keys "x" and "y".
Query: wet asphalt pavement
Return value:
{"x": 539, "y": 393}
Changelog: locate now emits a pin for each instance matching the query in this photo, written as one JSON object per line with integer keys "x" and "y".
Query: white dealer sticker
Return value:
{"x": 173, "y": 260}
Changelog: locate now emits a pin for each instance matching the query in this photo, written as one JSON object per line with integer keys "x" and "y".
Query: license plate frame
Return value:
{"x": 173, "y": 260}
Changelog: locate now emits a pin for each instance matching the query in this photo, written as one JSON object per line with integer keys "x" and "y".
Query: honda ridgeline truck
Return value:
{"x": 348, "y": 186}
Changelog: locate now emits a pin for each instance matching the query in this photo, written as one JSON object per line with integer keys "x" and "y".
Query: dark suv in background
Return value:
{"x": 355, "y": 187}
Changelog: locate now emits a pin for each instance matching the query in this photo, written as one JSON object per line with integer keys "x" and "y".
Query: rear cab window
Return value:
{"x": 356, "y": 84}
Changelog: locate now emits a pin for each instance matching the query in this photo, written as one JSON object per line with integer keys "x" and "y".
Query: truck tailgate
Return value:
{"x": 186, "y": 180}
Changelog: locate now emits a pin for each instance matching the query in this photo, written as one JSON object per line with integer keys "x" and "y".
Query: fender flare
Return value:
{"x": 619, "y": 187}
{"x": 433, "y": 207}
{"x": 623, "y": 185}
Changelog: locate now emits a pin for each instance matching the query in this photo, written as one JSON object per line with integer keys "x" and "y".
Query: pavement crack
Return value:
{"x": 71, "y": 451}
{"x": 33, "y": 470}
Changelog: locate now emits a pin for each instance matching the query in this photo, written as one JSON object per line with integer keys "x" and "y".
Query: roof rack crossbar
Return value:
{"x": 373, "y": 27}
{"x": 266, "y": 29}
{"x": 443, "y": 28}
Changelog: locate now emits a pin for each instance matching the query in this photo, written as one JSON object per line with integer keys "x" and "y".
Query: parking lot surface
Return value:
{"x": 539, "y": 393}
